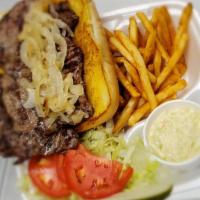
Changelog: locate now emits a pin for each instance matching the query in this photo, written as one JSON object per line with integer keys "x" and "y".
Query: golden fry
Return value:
{"x": 162, "y": 50}
{"x": 141, "y": 39}
{"x": 183, "y": 23}
{"x": 109, "y": 34}
{"x": 150, "y": 47}
{"x": 141, "y": 102}
{"x": 181, "y": 68}
{"x": 186, "y": 15}
{"x": 171, "y": 90}
{"x": 128, "y": 77}
{"x": 173, "y": 60}
{"x": 122, "y": 78}
{"x": 154, "y": 19}
{"x": 141, "y": 67}
{"x": 151, "y": 68}
{"x": 125, "y": 115}
{"x": 152, "y": 77}
{"x": 175, "y": 71}
{"x": 173, "y": 97}
{"x": 171, "y": 80}
{"x": 157, "y": 62}
{"x": 112, "y": 48}
{"x": 117, "y": 44}
{"x": 161, "y": 96}
{"x": 135, "y": 77}
{"x": 170, "y": 25}
{"x": 163, "y": 32}
{"x": 142, "y": 51}
{"x": 149, "y": 27}
{"x": 132, "y": 72}
{"x": 146, "y": 22}
{"x": 133, "y": 31}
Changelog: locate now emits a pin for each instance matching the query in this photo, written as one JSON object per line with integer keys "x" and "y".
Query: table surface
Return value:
{"x": 8, "y": 190}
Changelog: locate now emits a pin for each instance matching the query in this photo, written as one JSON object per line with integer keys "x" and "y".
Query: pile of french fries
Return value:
{"x": 149, "y": 65}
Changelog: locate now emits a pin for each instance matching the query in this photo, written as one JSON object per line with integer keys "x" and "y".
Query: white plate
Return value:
{"x": 188, "y": 183}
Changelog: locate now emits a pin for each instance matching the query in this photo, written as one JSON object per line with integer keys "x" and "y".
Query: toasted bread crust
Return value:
{"x": 101, "y": 81}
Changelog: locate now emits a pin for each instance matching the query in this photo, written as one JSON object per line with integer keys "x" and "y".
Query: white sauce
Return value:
{"x": 175, "y": 134}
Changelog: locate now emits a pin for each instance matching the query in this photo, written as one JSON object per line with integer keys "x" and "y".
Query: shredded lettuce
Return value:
{"x": 102, "y": 142}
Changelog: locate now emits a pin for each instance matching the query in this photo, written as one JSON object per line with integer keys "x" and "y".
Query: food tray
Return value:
{"x": 187, "y": 182}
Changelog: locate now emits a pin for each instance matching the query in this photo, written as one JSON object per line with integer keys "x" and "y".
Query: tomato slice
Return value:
{"x": 60, "y": 168}
{"x": 44, "y": 176}
{"x": 92, "y": 177}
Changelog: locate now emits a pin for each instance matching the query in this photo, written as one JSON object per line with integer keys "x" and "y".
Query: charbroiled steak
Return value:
{"x": 23, "y": 133}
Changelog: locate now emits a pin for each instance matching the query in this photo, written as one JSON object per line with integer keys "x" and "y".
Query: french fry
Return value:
{"x": 157, "y": 62}
{"x": 163, "y": 32}
{"x": 151, "y": 68}
{"x": 162, "y": 50}
{"x": 154, "y": 19}
{"x": 171, "y": 90}
{"x": 141, "y": 67}
{"x": 152, "y": 77}
{"x": 141, "y": 39}
{"x": 181, "y": 68}
{"x": 139, "y": 114}
{"x": 173, "y": 97}
{"x": 141, "y": 102}
{"x": 129, "y": 77}
{"x": 109, "y": 34}
{"x": 142, "y": 51}
{"x": 149, "y": 27}
{"x": 120, "y": 47}
{"x": 172, "y": 79}
{"x": 161, "y": 96}
{"x": 127, "y": 85}
{"x": 186, "y": 15}
{"x": 175, "y": 70}
{"x": 150, "y": 46}
{"x": 117, "y": 44}
{"x": 112, "y": 48}
{"x": 183, "y": 23}
{"x": 146, "y": 22}
{"x": 133, "y": 31}
{"x": 172, "y": 61}
{"x": 132, "y": 72}
{"x": 170, "y": 24}
{"x": 135, "y": 77}
{"x": 125, "y": 115}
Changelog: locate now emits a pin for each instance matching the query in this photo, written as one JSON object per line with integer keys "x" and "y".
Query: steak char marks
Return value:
{"x": 22, "y": 133}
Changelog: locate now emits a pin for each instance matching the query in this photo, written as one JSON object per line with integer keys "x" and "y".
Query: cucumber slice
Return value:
{"x": 157, "y": 190}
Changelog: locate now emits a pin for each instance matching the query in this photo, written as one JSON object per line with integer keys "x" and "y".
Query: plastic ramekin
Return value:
{"x": 188, "y": 164}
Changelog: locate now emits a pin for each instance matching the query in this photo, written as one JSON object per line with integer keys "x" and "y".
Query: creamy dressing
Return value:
{"x": 175, "y": 134}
